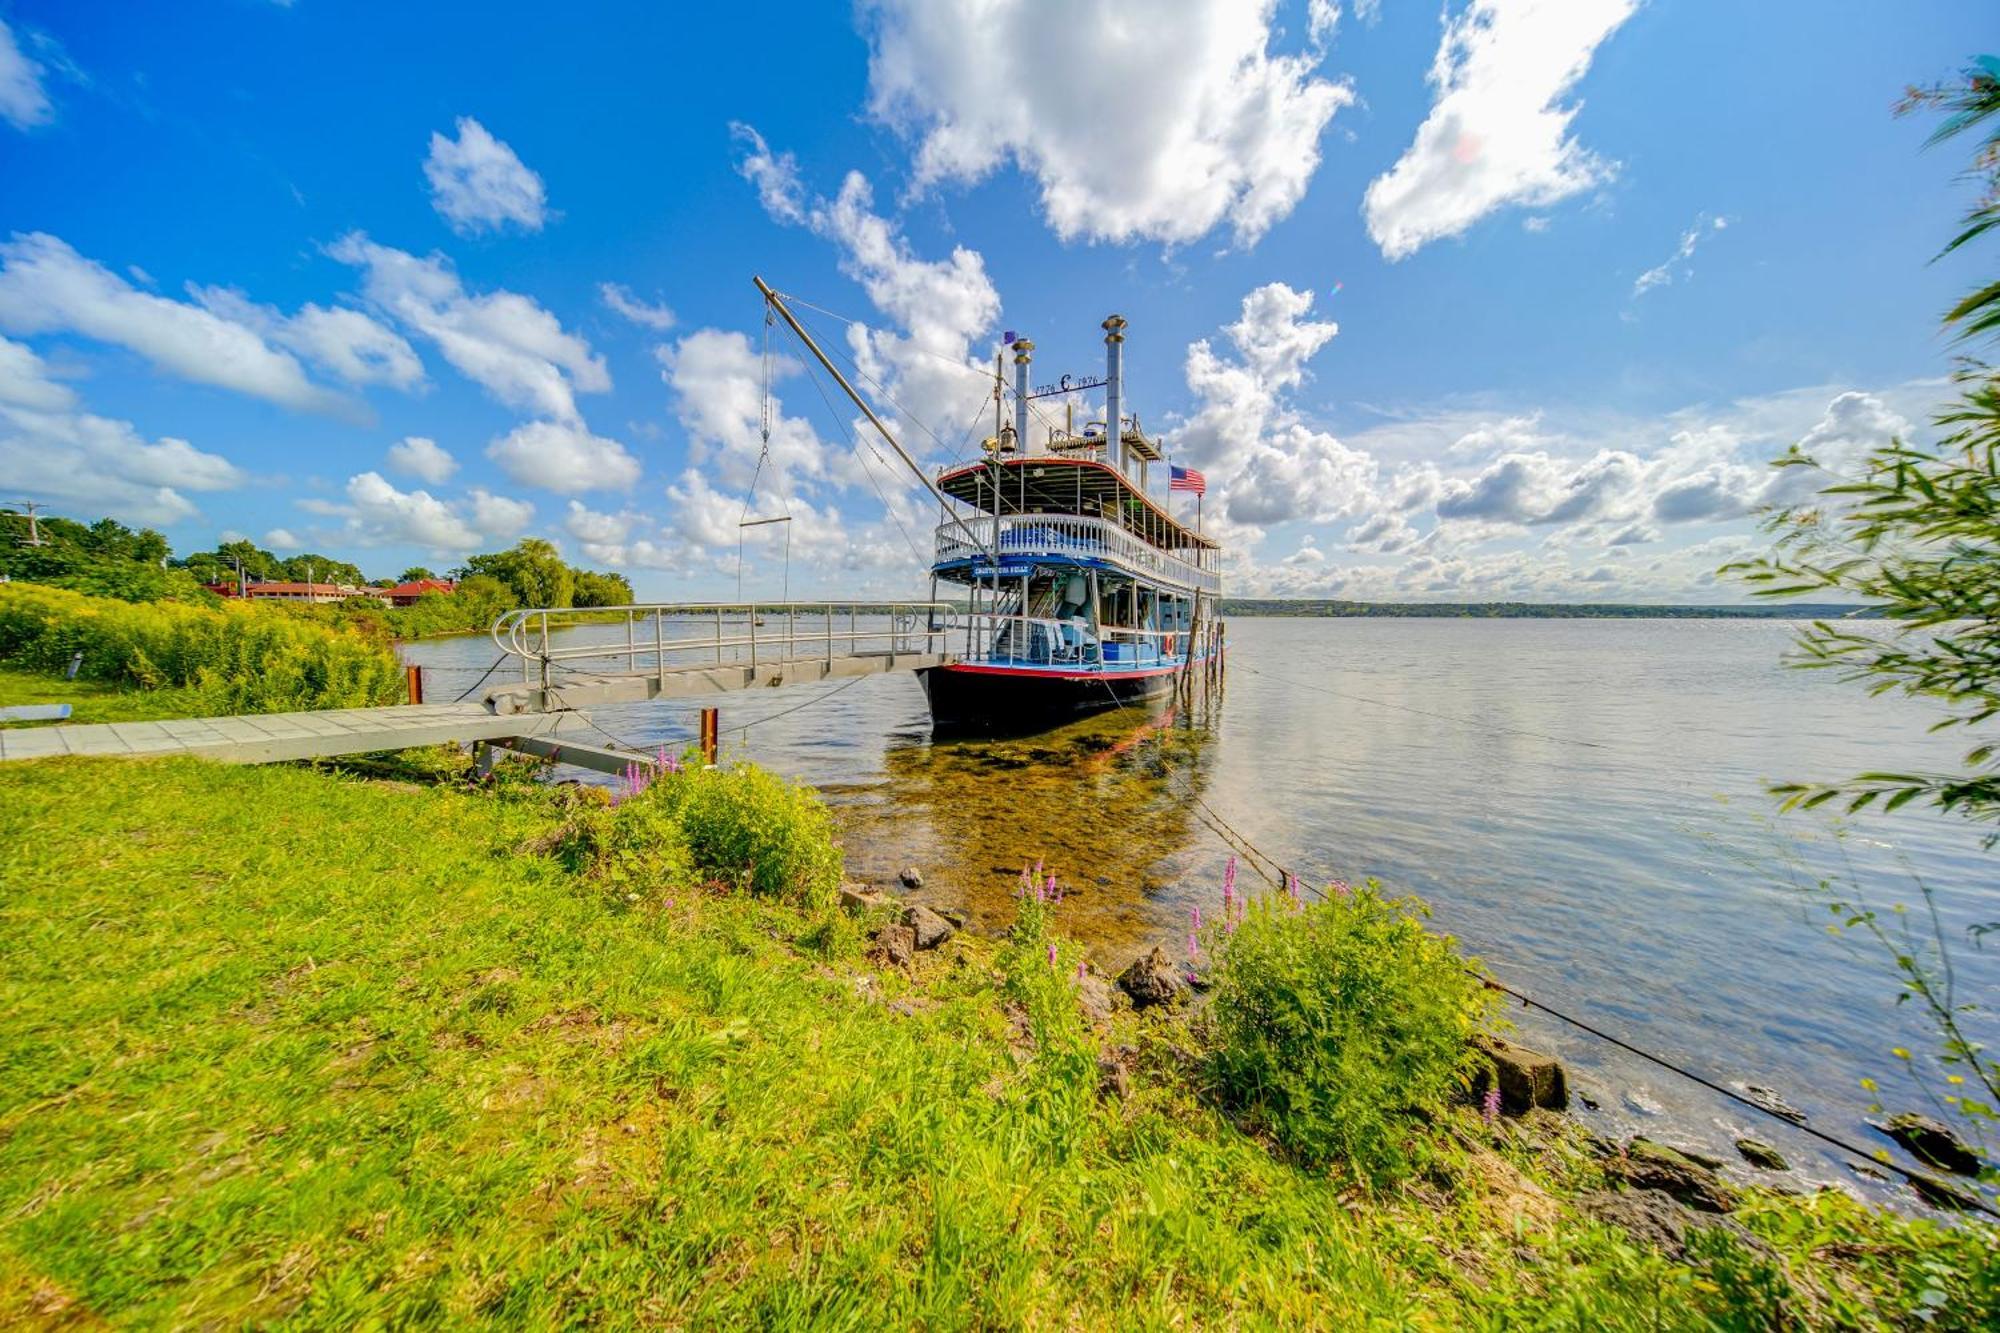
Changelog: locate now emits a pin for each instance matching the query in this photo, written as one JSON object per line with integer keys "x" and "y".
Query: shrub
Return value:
{"x": 238, "y": 658}
{"x": 1332, "y": 1022}
{"x": 751, "y": 827}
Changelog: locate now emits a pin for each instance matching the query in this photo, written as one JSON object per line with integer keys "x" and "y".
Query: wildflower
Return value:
{"x": 1194, "y": 916}
{"x": 1340, "y": 888}
{"x": 1489, "y": 1105}
{"x": 1052, "y": 953}
{"x": 1080, "y": 972}
{"x": 1292, "y": 887}
{"x": 1194, "y": 946}
{"x": 1229, "y": 879}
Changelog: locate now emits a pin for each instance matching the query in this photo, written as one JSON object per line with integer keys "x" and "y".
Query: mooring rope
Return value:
{"x": 1242, "y": 843}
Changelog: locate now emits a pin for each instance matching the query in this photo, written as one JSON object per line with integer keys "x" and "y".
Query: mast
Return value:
{"x": 778, "y": 303}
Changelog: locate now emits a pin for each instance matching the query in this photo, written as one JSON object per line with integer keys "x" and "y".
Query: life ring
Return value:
{"x": 1172, "y": 641}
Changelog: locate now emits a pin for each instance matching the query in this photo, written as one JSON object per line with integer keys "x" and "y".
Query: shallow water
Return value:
{"x": 1580, "y": 802}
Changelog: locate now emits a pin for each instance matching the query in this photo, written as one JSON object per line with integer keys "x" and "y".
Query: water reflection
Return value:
{"x": 1107, "y": 802}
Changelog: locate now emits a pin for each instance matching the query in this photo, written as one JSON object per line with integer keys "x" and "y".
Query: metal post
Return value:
{"x": 753, "y": 635}
{"x": 660, "y": 644}
{"x": 718, "y": 636}
{"x": 631, "y": 645}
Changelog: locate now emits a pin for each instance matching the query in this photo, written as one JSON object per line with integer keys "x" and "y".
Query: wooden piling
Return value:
{"x": 711, "y": 734}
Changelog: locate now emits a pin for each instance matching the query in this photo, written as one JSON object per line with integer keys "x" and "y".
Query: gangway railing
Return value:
{"x": 662, "y": 638}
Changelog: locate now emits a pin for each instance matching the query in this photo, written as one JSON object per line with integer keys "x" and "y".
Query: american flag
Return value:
{"x": 1187, "y": 479}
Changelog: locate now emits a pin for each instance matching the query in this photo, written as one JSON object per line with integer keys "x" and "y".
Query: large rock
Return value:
{"x": 898, "y": 944}
{"x": 1654, "y": 1166}
{"x": 1526, "y": 1078}
{"x": 931, "y": 929}
{"x": 1768, "y": 1100}
{"x": 1762, "y": 1155}
{"x": 1938, "y": 1194}
{"x": 912, "y": 877}
{"x": 1650, "y": 1217}
{"x": 855, "y": 898}
{"x": 1093, "y": 995}
{"x": 1933, "y": 1142}
{"x": 1151, "y": 980}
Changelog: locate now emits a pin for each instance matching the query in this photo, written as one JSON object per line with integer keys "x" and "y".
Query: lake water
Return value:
{"x": 1580, "y": 801}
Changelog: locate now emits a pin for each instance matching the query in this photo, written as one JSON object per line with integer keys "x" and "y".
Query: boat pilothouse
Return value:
{"x": 1083, "y": 591}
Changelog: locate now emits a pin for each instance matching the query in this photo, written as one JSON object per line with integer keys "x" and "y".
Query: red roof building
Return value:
{"x": 406, "y": 594}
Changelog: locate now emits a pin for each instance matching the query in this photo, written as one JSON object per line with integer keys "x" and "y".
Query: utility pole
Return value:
{"x": 34, "y": 537}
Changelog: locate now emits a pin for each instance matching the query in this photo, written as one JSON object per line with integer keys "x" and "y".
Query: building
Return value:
{"x": 296, "y": 592}
{"x": 406, "y": 594}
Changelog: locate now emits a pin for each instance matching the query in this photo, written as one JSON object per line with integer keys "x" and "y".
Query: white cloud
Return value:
{"x": 1497, "y": 133}
{"x": 1264, "y": 464}
{"x": 501, "y": 517}
{"x": 563, "y": 457}
{"x": 653, "y": 315}
{"x": 1663, "y": 274}
{"x": 100, "y": 466}
{"x": 1322, "y": 21}
{"x": 1158, "y": 126}
{"x": 345, "y": 342}
{"x": 47, "y": 287}
{"x": 422, "y": 458}
{"x": 717, "y": 379}
{"x": 281, "y": 539}
{"x": 478, "y": 184}
{"x": 776, "y": 175}
{"x": 23, "y": 103}
{"x": 501, "y": 340}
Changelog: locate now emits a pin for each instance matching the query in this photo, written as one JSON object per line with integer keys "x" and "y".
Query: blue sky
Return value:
{"x": 1509, "y": 299}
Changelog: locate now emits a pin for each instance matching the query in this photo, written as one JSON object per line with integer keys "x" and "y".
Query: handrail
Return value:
{"x": 730, "y": 633}
{"x": 993, "y": 636}
{"x": 1074, "y": 535}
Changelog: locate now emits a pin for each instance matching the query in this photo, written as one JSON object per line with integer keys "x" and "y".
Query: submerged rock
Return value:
{"x": 1526, "y": 1078}
{"x": 1938, "y": 1194}
{"x": 1762, "y": 1155}
{"x": 1767, "y": 1100}
{"x": 1151, "y": 980}
{"x": 1932, "y": 1142}
{"x": 931, "y": 929}
{"x": 912, "y": 877}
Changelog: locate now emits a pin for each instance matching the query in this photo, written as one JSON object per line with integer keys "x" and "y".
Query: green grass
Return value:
{"x": 94, "y": 700}
{"x": 282, "y": 1047}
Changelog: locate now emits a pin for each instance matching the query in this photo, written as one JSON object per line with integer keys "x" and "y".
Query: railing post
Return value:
{"x": 718, "y": 636}
{"x": 829, "y": 637}
{"x": 753, "y": 636}
{"x": 660, "y": 643}
{"x": 631, "y": 645}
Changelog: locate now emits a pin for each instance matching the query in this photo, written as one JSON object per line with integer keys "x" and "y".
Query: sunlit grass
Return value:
{"x": 278, "y": 1046}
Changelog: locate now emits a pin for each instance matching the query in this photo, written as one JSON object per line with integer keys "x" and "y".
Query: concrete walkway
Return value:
{"x": 264, "y": 738}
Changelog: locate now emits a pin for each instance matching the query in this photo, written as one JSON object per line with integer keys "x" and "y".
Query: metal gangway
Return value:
{"x": 579, "y": 658}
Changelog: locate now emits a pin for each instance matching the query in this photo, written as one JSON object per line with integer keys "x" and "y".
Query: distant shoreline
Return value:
{"x": 1324, "y": 608}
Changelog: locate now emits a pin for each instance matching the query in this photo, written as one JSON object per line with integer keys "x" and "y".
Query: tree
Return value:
{"x": 594, "y": 589}
{"x": 1915, "y": 536}
{"x": 533, "y": 569}
{"x": 415, "y": 574}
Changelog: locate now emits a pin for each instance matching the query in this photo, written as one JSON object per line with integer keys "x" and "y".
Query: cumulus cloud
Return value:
{"x": 281, "y": 539}
{"x": 1498, "y": 132}
{"x": 422, "y": 458}
{"x": 1535, "y": 489}
{"x": 1159, "y": 126}
{"x": 501, "y": 340}
{"x": 1663, "y": 273}
{"x": 563, "y": 457}
{"x": 648, "y": 314}
{"x": 50, "y": 449}
{"x": 343, "y": 342}
{"x": 47, "y": 287}
{"x": 776, "y": 175}
{"x": 501, "y": 517}
{"x": 1264, "y": 463}
{"x": 23, "y": 103}
{"x": 479, "y": 184}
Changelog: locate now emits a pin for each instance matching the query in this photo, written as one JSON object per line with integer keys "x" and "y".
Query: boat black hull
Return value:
{"x": 1011, "y": 703}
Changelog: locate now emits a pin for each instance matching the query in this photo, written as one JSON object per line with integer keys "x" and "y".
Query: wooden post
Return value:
{"x": 413, "y": 681}
{"x": 711, "y": 734}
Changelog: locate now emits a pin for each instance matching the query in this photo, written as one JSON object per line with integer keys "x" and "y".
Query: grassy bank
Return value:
{"x": 277, "y": 1045}
{"x": 94, "y": 700}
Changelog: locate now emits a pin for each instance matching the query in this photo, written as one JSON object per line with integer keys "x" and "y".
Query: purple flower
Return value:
{"x": 1194, "y": 946}
{"x": 1292, "y": 887}
{"x": 1194, "y": 916}
{"x": 1489, "y": 1105}
{"x": 1080, "y": 973}
{"x": 1052, "y": 953}
{"x": 1229, "y": 879}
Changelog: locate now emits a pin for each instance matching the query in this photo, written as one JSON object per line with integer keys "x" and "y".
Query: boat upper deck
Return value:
{"x": 1085, "y": 487}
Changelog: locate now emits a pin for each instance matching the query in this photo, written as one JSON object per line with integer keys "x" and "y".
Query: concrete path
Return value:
{"x": 264, "y": 738}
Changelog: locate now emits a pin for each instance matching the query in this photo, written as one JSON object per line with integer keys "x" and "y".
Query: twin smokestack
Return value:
{"x": 1114, "y": 376}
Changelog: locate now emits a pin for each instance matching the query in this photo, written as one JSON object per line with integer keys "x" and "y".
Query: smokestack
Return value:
{"x": 1023, "y": 349}
{"x": 1114, "y": 344}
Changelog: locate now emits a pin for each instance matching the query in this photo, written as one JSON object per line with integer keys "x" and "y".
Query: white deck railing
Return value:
{"x": 1078, "y": 536}
{"x": 662, "y": 637}
{"x": 1042, "y": 641}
